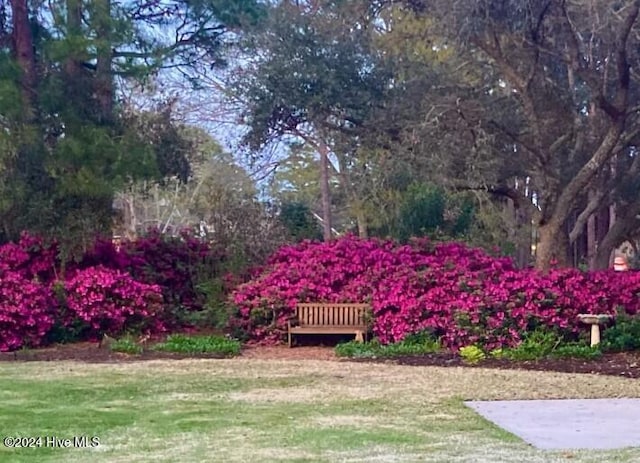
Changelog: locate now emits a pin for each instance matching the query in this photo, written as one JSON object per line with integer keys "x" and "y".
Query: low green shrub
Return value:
{"x": 126, "y": 345}
{"x": 536, "y": 344}
{"x": 542, "y": 343}
{"x": 472, "y": 354}
{"x": 358, "y": 349}
{"x": 624, "y": 335}
{"x": 416, "y": 344}
{"x": 180, "y": 343}
{"x": 576, "y": 350}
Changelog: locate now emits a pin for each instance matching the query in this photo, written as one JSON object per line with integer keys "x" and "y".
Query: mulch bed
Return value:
{"x": 625, "y": 364}
{"x": 90, "y": 353}
{"x": 620, "y": 364}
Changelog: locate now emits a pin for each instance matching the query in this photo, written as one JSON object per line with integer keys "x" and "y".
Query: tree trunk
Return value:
{"x": 552, "y": 249}
{"x": 591, "y": 242}
{"x": 325, "y": 192}
{"x": 25, "y": 56}
{"x": 104, "y": 78}
{"x": 362, "y": 223}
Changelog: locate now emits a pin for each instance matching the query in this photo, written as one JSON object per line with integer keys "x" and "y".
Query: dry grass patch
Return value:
{"x": 333, "y": 382}
{"x": 371, "y": 380}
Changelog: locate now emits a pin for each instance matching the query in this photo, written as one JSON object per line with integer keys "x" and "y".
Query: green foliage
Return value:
{"x": 299, "y": 221}
{"x": 424, "y": 209}
{"x": 544, "y": 344}
{"x": 126, "y": 345}
{"x": 10, "y": 99}
{"x": 330, "y": 54}
{"x": 541, "y": 344}
{"x": 412, "y": 345}
{"x": 472, "y": 354}
{"x": 212, "y": 294}
{"x": 213, "y": 315}
{"x": 61, "y": 332}
{"x": 537, "y": 344}
{"x": 164, "y": 141}
{"x": 355, "y": 349}
{"x": 529, "y": 352}
{"x": 577, "y": 350}
{"x": 421, "y": 211}
{"x": 463, "y": 212}
{"x": 296, "y": 178}
{"x": 200, "y": 345}
{"x": 624, "y": 335}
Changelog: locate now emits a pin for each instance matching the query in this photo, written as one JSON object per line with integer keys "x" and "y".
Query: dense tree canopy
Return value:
{"x": 533, "y": 102}
{"x": 555, "y": 97}
{"x": 515, "y": 121}
{"x": 67, "y": 142}
{"x": 316, "y": 80}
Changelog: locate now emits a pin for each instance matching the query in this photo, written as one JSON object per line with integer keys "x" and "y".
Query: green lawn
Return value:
{"x": 247, "y": 410}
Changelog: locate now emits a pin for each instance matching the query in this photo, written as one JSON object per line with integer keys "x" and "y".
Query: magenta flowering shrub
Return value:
{"x": 27, "y": 305}
{"x": 30, "y": 257}
{"x": 110, "y": 301}
{"x": 108, "y": 291}
{"x": 27, "y": 311}
{"x": 173, "y": 263}
{"x": 461, "y": 294}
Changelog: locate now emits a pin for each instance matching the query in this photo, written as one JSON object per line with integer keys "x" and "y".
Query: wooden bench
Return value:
{"x": 330, "y": 319}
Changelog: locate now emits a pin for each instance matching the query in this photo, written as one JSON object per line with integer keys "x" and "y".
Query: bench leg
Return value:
{"x": 289, "y": 338}
{"x": 359, "y": 337}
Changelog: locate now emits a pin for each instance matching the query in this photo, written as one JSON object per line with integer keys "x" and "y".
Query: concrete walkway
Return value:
{"x": 567, "y": 424}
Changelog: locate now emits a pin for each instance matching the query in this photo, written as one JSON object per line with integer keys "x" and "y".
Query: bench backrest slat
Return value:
{"x": 332, "y": 314}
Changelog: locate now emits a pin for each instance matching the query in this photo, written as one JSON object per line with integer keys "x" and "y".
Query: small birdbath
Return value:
{"x": 595, "y": 321}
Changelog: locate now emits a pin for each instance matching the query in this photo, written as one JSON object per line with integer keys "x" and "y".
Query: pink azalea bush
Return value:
{"x": 27, "y": 311}
{"x": 173, "y": 263}
{"x": 108, "y": 300}
{"x": 27, "y": 306}
{"x": 31, "y": 257}
{"x": 462, "y": 295}
{"x": 39, "y": 304}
